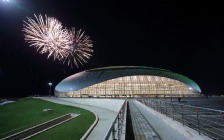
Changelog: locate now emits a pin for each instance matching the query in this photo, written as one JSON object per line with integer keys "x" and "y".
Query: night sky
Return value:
{"x": 185, "y": 37}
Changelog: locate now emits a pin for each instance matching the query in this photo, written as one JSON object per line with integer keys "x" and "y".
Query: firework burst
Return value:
{"x": 47, "y": 35}
{"x": 81, "y": 48}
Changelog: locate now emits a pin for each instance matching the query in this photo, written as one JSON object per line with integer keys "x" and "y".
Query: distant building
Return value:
{"x": 127, "y": 81}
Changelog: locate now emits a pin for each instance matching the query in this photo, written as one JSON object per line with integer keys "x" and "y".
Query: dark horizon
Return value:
{"x": 184, "y": 37}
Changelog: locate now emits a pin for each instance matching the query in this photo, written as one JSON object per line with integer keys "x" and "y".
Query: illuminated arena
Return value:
{"x": 127, "y": 81}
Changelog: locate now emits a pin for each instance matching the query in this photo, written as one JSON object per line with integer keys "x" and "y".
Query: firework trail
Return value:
{"x": 48, "y": 36}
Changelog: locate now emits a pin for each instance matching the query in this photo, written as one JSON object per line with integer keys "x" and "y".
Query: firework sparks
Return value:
{"x": 80, "y": 49}
{"x": 48, "y": 36}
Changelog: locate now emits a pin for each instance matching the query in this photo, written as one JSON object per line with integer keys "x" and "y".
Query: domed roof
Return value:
{"x": 93, "y": 76}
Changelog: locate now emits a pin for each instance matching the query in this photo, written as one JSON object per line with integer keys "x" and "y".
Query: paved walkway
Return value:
{"x": 165, "y": 127}
{"x": 106, "y": 117}
{"x": 141, "y": 127}
{"x": 163, "y": 130}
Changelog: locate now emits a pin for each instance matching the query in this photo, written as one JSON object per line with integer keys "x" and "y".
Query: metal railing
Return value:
{"x": 115, "y": 131}
{"x": 207, "y": 121}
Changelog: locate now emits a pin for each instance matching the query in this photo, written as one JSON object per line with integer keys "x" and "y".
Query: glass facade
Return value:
{"x": 134, "y": 86}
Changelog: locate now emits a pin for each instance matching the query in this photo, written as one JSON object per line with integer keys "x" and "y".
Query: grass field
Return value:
{"x": 28, "y": 112}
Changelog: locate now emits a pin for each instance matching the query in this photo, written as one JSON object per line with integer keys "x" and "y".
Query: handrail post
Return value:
{"x": 114, "y": 131}
{"x": 198, "y": 121}
{"x": 182, "y": 116}
{"x": 154, "y": 106}
{"x": 160, "y": 104}
{"x": 222, "y": 113}
{"x": 166, "y": 108}
{"x": 119, "y": 119}
{"x": 173, "y": 111}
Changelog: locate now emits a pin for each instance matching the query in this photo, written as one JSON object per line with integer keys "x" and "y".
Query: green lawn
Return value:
{"x": 28, "y": 112}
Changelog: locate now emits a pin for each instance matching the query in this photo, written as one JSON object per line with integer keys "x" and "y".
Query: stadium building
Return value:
{"x": 127, "y": 81}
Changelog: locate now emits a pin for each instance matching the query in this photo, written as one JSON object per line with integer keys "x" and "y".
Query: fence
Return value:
{"x": 210, "y": 122}
{"x": 115, "y": 132}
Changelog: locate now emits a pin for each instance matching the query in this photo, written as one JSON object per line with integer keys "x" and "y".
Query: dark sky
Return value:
{"x": 185, "y": 37}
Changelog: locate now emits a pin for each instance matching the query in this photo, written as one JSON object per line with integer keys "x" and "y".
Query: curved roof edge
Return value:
{"x": 125, "y": 67}
{"x": 93, "y": 76}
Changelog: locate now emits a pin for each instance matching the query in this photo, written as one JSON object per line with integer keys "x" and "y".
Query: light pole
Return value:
{"x": 190, "y": 90}
{"x": 50, "y": 84}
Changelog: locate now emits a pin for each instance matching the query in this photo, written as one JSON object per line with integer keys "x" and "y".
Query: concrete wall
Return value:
{"x": 110, "y": 104}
